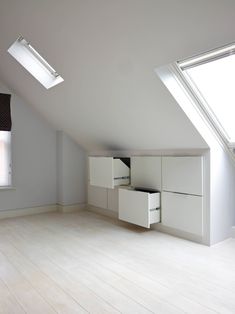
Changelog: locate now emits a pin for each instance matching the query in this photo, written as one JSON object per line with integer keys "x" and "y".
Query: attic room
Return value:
{"x": 117, "y": 163}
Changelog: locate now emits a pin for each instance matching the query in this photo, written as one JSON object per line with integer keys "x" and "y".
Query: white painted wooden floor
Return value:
{"x": 83, "y": 262}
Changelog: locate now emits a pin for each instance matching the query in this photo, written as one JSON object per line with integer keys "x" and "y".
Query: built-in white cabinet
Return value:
{"x": 140, "y": 207}
{"x": 108, "y": 172}
{"x": 178, "y": 178}
{"x": 146, "y": 171}
{"x": 183, "y": 174}
{"x": 97, "y": 196}
{"x": 182, "y": 193}
{"x": 183, "y": 212}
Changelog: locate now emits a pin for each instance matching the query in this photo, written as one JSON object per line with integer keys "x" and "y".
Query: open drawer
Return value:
{"x": 108, "y": 172}
{"x": 139, "y": 206}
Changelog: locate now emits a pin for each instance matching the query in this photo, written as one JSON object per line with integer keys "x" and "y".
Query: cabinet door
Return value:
{"x": 97, "y": 196}
{"x": 101, "y": 171}
{"x": 183, "y": 212}
{"x": 182, "y": 174}
{"x": 138, "y": 208}
{"x": 146, "y": 172}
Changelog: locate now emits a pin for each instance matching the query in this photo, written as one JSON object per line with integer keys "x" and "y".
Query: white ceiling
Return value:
{"x": 106, "y": 50}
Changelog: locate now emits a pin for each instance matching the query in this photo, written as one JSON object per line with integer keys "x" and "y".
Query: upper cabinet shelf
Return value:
{"x": 108, "y": 172}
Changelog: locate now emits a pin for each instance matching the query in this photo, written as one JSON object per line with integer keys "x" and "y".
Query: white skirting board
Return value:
{"x": 102, "y": 211}
{"x": 233, "y": 232}
{"x": 11, "y": 213}
{"x": 71, "y": 208}
{"x": 158, "y": 226}
{"x": 27, "y": 211}
{"x": 178, "y": 233}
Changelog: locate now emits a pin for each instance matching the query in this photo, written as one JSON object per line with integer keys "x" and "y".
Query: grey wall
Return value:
{"x": 48, "y": 166}
{"x": 71, "y": 169}
{"x": 33, "y": 159}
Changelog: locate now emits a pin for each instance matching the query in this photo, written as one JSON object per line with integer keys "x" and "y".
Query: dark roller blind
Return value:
{"x": 5, "y": 112}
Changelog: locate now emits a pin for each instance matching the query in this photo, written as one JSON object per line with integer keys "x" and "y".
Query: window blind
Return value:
{"x": 5, "y": 112}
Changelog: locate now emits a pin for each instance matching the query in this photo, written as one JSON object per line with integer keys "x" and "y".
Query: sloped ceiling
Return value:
{"x": 106, "y": 50}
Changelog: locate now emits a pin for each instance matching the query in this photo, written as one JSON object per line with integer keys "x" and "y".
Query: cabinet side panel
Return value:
{"x": 121, "y": 173}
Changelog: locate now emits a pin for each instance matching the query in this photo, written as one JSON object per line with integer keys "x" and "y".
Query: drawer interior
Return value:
{"x": 140, "y": 189}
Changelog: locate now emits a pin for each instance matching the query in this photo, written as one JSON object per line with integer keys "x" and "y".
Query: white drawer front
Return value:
{"x": 146, "y": 172}
{"x": 183, "y": 212}
{"x": 101, "y": 171}
{"x": 183, "y": 174}
{"x": 134, "y": 206}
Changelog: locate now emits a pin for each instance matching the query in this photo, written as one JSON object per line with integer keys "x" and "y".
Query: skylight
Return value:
{"x": 211, "y": 77}
{"x": 31, "y": 60}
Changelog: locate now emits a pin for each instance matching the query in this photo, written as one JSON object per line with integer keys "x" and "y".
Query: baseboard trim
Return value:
{"x": 233, "y": 232}
{"x": 177, "y": 233}
{"x": 71, "y": 208}
{"x": 11, "y": 213}
{"x": 157, "y": 227}
{"x": 102, "y": 211}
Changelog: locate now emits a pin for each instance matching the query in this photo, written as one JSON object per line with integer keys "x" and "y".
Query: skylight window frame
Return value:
{"x": 208, "y": 56}
{"x": 34, "y": 52}
{"x": 26, "y": 55}
{"x": 180, "y": 68}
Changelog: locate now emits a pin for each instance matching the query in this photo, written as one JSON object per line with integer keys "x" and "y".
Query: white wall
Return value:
{"x": 33, "y": 159}
{"x": 113, "y": 99}
{"x": 71, "y": 169}
{"x": 48, "y": 166}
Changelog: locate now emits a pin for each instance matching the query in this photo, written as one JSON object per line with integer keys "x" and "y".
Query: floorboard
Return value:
{"x": 86, "y": 263}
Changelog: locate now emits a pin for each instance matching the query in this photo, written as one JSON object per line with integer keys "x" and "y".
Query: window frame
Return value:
{"x": 180, "y": 68}
{"x": 30, "y": 59}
